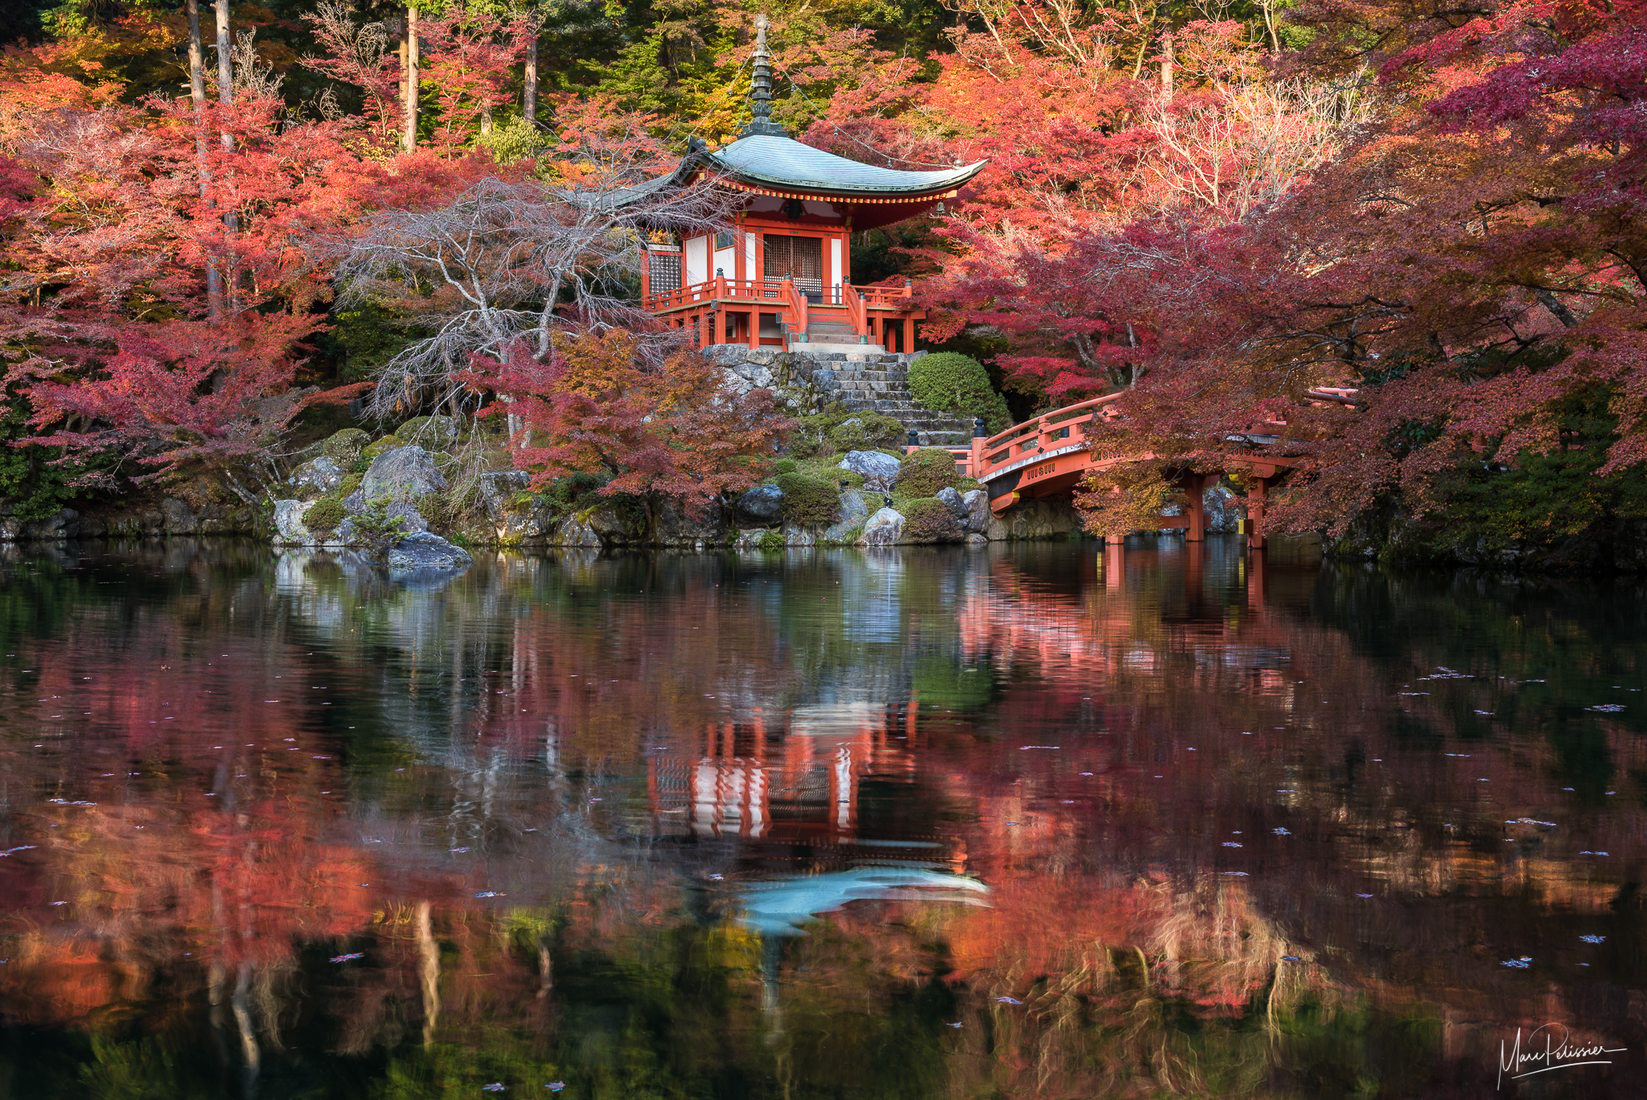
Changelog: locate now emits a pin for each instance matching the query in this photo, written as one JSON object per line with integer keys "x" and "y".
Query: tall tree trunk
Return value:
{"x": 529, "y": 106}
{"x": 197, "y": 95}
{"x": 225, "y": 96}
{"x": 408, "y": 137}
{"x": 1166, "y": 67}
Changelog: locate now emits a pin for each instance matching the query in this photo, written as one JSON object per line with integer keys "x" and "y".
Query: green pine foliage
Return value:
{"x": 946, "y": 381}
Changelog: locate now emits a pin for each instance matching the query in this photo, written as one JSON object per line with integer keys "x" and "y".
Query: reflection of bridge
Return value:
{"x": 1051, "y": 454}
{"x": 799, "y": 783}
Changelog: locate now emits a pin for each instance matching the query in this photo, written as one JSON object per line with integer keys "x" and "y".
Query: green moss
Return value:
{"x": 838, "y": 430}
{"x": 946, "y": 381}
{"x": 348, "y": 485}
{"x": 809, "y": 501}
{"x": 922, "y": 473}
{"x": 929, "y": 520}
{"x": 865, "y": 431}
{"x": 786, "y": 466}
{"x": 370, "y": 452}
{"x": 326, "y": 514}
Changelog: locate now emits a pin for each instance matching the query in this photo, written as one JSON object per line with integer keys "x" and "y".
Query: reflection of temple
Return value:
{"x": 801, "y": 783}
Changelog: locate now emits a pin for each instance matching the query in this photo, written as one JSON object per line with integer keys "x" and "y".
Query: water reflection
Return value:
{"x": 1050, "y": 821}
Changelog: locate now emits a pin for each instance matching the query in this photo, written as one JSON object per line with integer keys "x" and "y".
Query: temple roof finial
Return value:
{"x": 760, "y": 88}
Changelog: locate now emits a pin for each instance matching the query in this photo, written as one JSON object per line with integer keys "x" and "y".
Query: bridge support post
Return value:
{"x": 1255, "y": 513}
{"x": 1196, "y": 509}
{"x": 1114, "y": 563}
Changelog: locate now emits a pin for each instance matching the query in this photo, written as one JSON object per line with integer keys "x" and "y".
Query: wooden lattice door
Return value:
{"x": 800, "y": 258}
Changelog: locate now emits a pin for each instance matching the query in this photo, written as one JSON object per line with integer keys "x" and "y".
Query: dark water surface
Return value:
{"x": 1003, "y": 823}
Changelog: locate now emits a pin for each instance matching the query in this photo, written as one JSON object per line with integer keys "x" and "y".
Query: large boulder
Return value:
{"x": 499, "y": 489}
{"x": 616, "y": 525}
{"x": 403, "y": 473}
{"x": 344, "y": 447}
{"x": 438, "y": 432}
{"x": 884, "y": 528}
{"x": 424, "y": 552}
{"x": 687, "y": 527}
{"x": 853, "y": 511}
{"x": 975, "y": 514}
{"x": 178, "y": 518}
{"x": 573, "y": 531}
{"x": 289, "y": 526}
{"x": 878, "y": 468}
{"x": 951, "y": 499}
{"x": 761, "y": 506}
{"x": 1223, "y": 509}
{"x": 316, "y": 476}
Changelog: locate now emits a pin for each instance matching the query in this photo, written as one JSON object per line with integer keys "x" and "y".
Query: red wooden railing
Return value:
{"x": 795, "y": 303}
{"x": 855, "y": 312}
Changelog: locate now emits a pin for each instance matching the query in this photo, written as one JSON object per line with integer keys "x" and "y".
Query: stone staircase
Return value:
{"x": 862, "y": 377}
{"x": 878, "y": 381}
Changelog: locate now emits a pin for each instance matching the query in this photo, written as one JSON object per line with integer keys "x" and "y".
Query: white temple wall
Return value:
{"x": 695, "y": 260}
{"x": 726, "y": 262}
{"x": 839, "y": 275}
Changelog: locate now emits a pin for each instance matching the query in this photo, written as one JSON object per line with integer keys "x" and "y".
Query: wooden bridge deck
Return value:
{"x": 1051, "y": 454}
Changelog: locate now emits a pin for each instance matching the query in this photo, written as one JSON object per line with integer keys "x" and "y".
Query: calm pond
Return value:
{"x": 1004, "y": 822}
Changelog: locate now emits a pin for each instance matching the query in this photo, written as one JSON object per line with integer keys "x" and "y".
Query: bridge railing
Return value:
{"x": 1023, "y": 443}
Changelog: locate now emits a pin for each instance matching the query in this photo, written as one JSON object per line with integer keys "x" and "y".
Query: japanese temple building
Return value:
{"x": 782, "y": 274}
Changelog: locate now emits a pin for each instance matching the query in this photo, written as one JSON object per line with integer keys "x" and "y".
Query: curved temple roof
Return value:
{"x": 785, "y": 164}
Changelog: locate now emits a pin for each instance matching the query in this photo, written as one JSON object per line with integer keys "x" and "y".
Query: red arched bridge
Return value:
{"x": 1049, "y": 456}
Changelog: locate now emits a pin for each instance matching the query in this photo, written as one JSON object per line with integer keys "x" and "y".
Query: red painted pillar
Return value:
{"x": 1196, "y": 509}
{"x": 1115, "y": 563}
{"x": 720, "y": 325}
{"x": 907, "y": 344}
{"x": 755, "y": 327}
{"x": 1255, "y": 513}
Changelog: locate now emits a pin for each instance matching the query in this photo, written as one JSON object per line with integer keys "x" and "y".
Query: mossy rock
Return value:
{"x": 431, "y": 432}
{"x": 808, "y": 501}
{"x": 344, "y": 447}
{"x": 865, "y": 431}
{"x": 922, "y": 473}
{"x": 928, "y": 519}
{"x": 388, "y": 443}
{"x": 348, "y": 485}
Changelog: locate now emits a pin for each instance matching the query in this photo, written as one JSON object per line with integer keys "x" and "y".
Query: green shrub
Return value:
{"x": 771, "y": 542}
{"x": 866, "y": 431}
{"x": 809, "y": 501}
{"x": 786, "y": 466}
{"x": 925, "y": 471}
{"x": 929, "y": 520}
{"x": 946, "y": 381}
{"x": 344, "y": 447}
{"x": 326, "y": 514}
